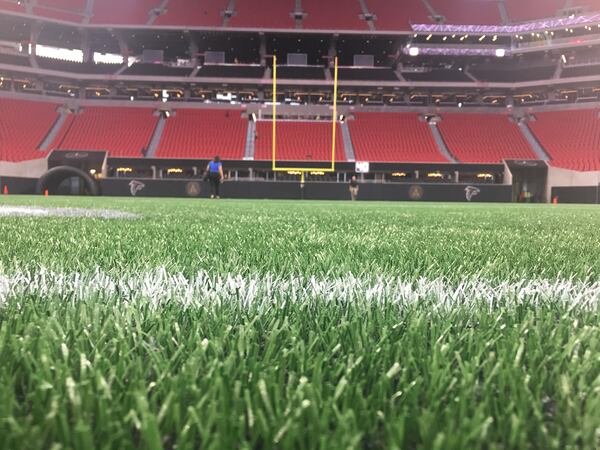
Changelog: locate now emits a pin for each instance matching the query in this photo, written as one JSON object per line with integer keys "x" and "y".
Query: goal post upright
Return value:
{"x": 303, "y": 170}
{"x": 274, "y": 99}
{"x": 334, "y": 121}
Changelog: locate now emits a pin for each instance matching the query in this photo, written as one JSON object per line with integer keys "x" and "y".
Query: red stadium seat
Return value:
{"x": 391, "y": 17}
{"x": 204, "y": 134}
{"x": 298, "y": 141}
{"x": 393, "y": 137}
{"x": 67, "y": 16}
{"x": 120, "y": 131}
{"x": 480, "y": 12}
{"x": 123, "y": 12}
{"x": 322, "y": 14}
{"x": 333, "y": 15}
{"x": 484, "y": 138}
{"x": 524, "y": 10}
{"x": 590, "y": 5}
{"x": 68, "y": 5}
{"x": 269, "y": 14}
{"x": 207, "y": 13}
{"x": 571, "y": 138}
{"x": 12, "y": 5}
{"x": 23, "y": 127}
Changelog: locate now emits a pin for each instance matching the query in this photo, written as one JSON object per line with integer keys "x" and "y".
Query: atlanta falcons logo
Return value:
{"x": 135, "y": 187}
{"x": 471, "y": 191}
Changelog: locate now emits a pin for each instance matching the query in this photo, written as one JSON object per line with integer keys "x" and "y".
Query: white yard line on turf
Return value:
{"x": 160, "y": 287}
{"x": 34, "y": 211}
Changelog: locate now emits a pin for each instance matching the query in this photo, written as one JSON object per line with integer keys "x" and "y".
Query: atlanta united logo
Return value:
{"x": 415, "y": 192}
{"x": 193, "y": 189}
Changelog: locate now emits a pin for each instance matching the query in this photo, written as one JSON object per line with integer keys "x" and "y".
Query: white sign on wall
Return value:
{"x": 362, "y": 167}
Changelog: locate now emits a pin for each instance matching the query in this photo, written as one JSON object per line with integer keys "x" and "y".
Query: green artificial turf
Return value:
{"x": 262, "y": 324}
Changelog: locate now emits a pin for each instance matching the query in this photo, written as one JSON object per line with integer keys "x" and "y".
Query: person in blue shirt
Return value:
{"x": 214, "y": 171}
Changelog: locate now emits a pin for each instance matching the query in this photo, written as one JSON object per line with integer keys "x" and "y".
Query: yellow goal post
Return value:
{"x": 302, "y": 170}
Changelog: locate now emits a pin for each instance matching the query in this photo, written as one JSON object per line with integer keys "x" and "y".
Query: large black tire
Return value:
{"x": 57, "y": 175}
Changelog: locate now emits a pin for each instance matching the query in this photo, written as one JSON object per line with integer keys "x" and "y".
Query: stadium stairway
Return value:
{"x": 439, "y": 140}
{"x": 161, "y": 8}
{"x": 365, "y": 11}
{"x": 503, "y": 13}
{"x": 155, "y": 140}
{"x": 347, "y": 141}
{"x": 298, "y": 13}
{"x": 227, "y": 17}
{"x": 533, "y": 142}
{"x": 250, "y": 140}
{"x": 54, "y": 130}
{"x": 429, "y": 8}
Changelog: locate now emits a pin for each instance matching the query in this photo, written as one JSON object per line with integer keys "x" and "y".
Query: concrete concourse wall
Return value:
{"x": 567, "y": 185}
{"x": 26, "y": 169}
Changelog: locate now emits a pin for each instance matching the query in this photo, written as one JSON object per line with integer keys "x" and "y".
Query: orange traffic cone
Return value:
{"x": 5, "y": 190}
{"x": 46, "y": 193}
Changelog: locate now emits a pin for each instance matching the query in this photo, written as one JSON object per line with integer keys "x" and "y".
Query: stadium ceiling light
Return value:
{"x": 445, "y": 38}
{"x": 563, "y": 58}
{"x": 482, "y": 38}
{"x": 500, "y": 52}
{"x": 413, "y": 51}
{"x": 428, "y": 37}
{"x": 495, "y": 38}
